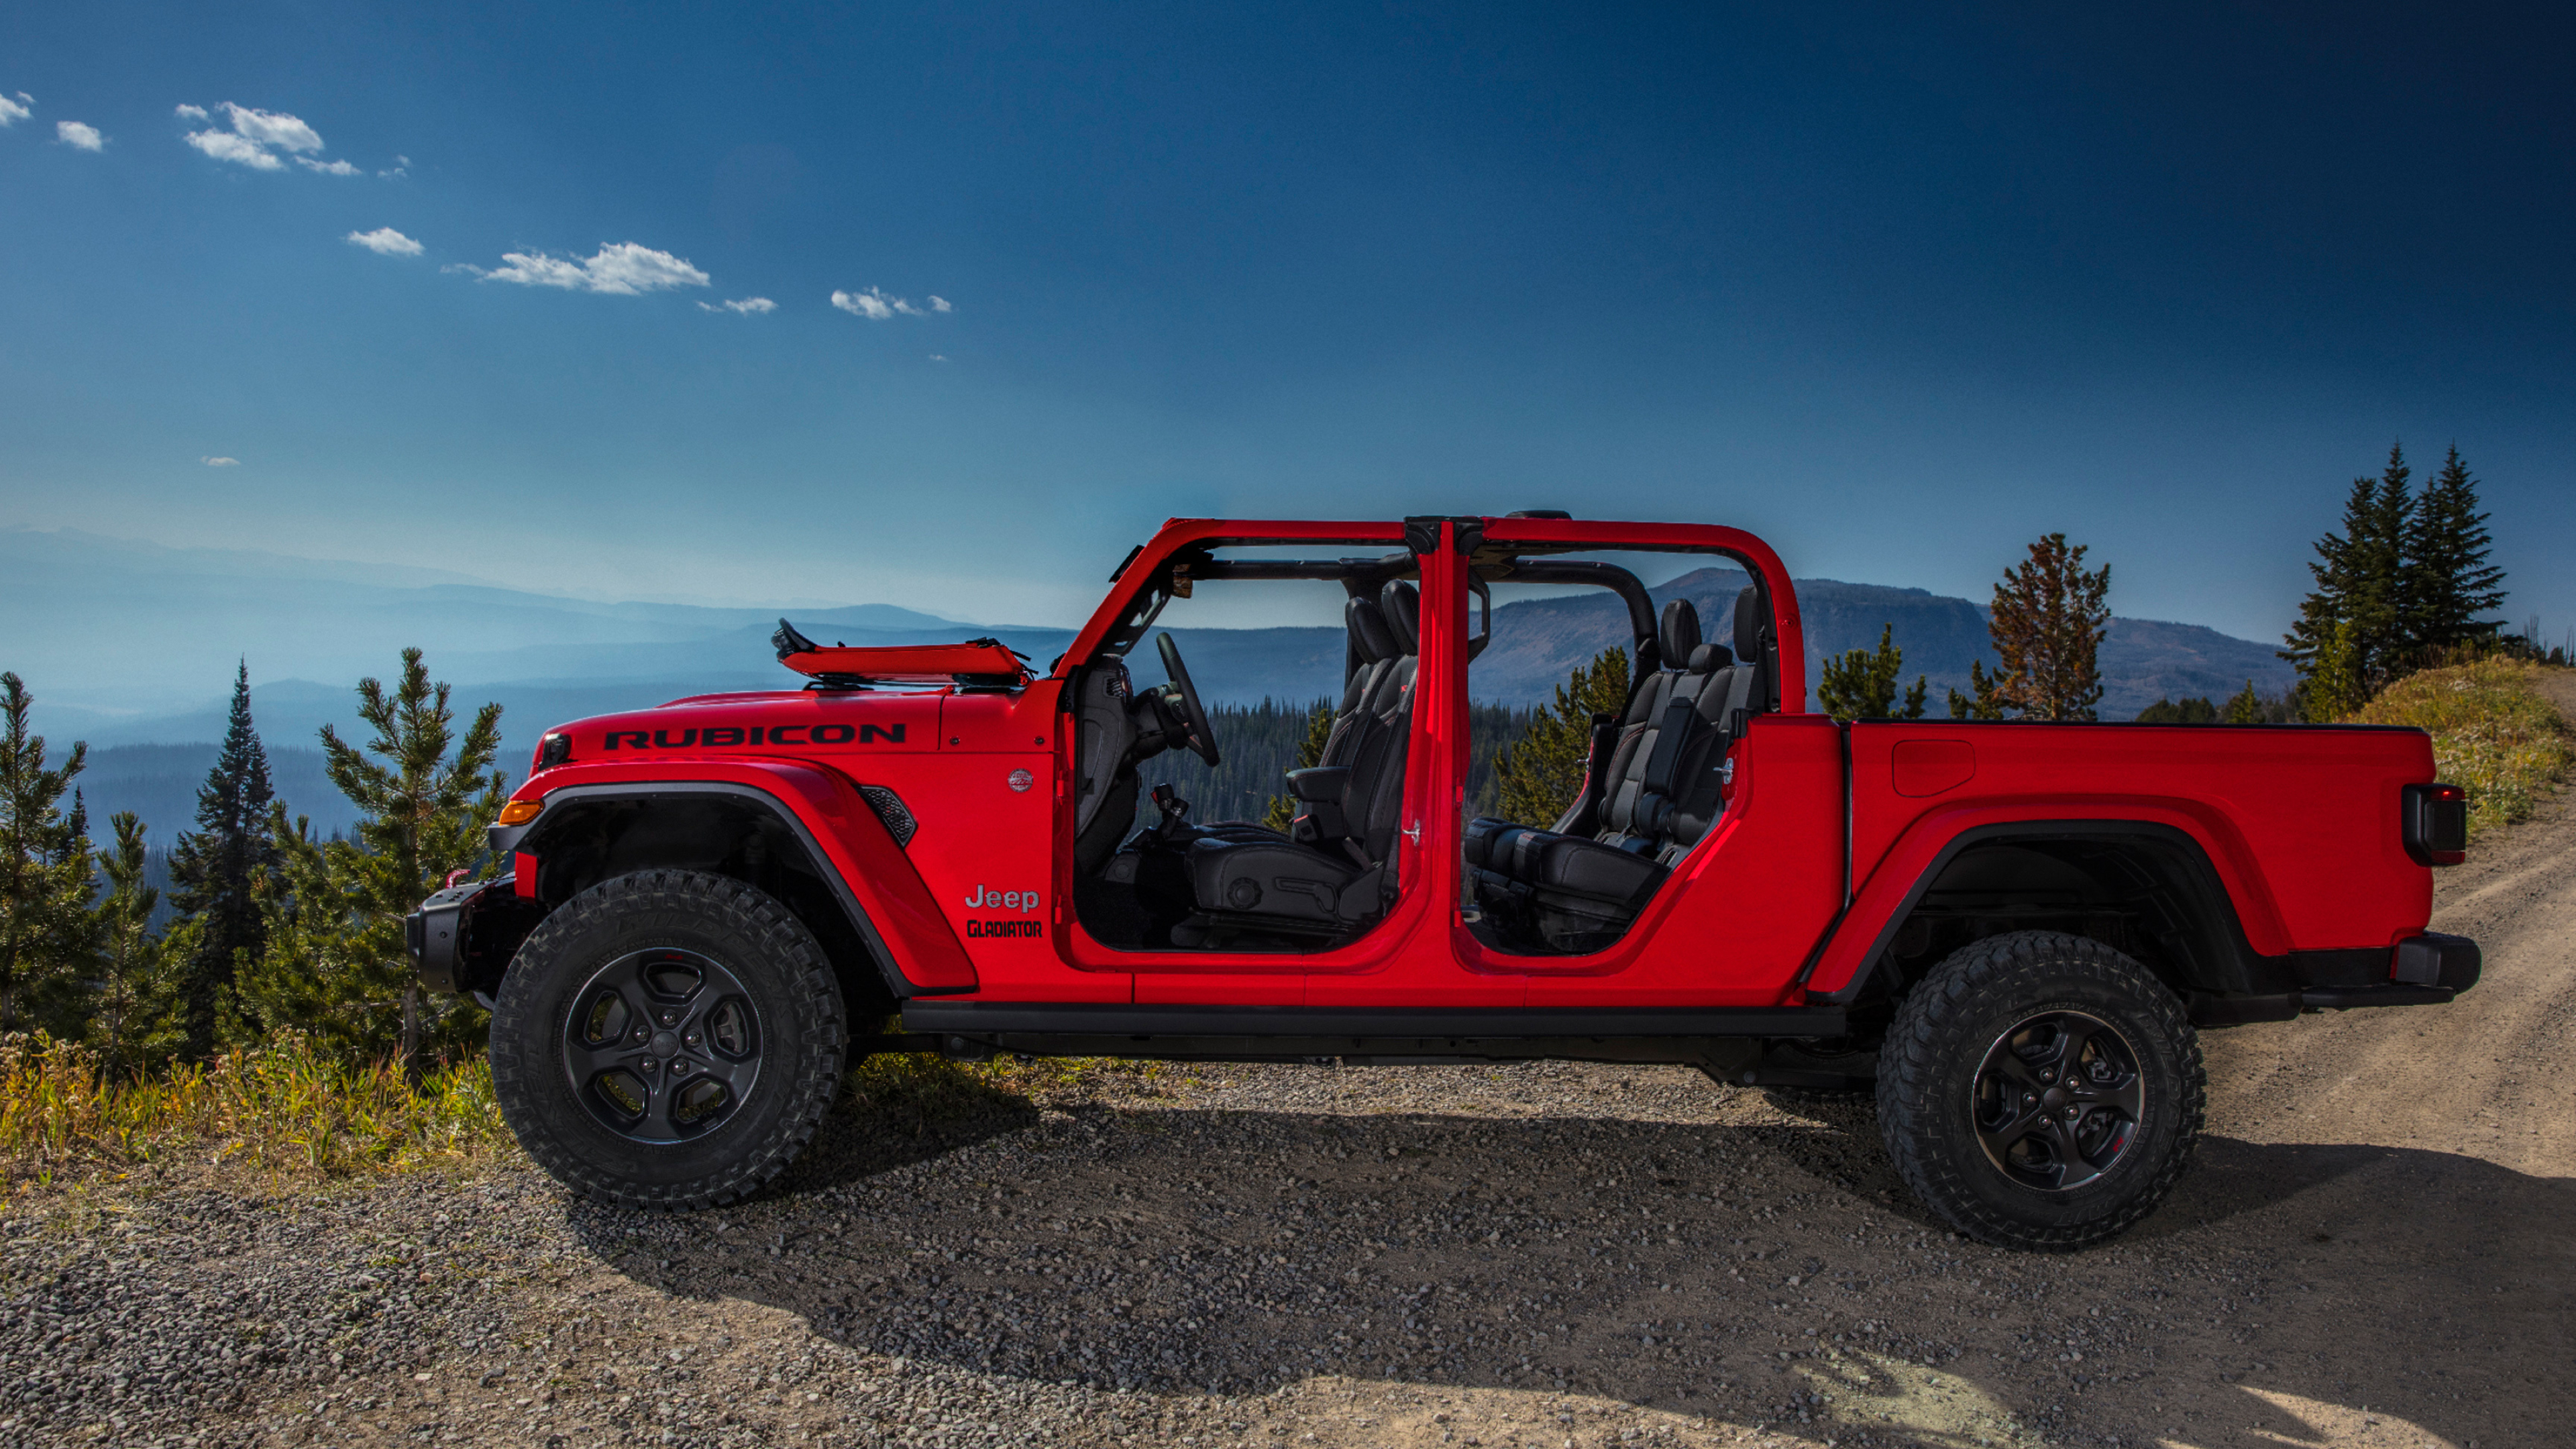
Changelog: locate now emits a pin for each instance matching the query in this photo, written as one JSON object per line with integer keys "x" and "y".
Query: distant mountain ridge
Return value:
{"x": 83, "y": 611}
{"x": 2142, "y": 660}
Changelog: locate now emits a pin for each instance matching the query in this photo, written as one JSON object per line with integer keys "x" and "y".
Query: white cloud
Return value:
{"x": 221, "y": 462}
{"x": 225, "y": 146}
{"x": 384, "y": 241}
{"x": 624, "y": 269}
{"x": 936, "y": 357}
{"x": 870, "y": 304}
{"x": 258, "y": 137}
{"x": 876, "y": 306}
{"x": 79, "y": 137}
{"x": 746, "y": 305}
{"x": 12, "y": 112}
{"x": 273, "y": 128}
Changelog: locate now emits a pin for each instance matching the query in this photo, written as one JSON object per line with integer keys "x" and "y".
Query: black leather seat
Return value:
{"x": 1335, "y": 874}
{"x": 1320, "y": 820}
{"x": 1658, "y": 795}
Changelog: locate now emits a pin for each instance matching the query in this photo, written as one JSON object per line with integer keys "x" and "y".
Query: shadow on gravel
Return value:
{"x": 896, "y": 1111}
{"x": 1673, "y": 1266}
{"x": 2229, "y": 1177}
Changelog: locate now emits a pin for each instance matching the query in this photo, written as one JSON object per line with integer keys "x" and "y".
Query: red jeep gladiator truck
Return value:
{"x": 2009, "y": 931}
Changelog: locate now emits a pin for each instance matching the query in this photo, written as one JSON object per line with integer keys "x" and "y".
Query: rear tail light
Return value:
{"x": 2435, "y": 823}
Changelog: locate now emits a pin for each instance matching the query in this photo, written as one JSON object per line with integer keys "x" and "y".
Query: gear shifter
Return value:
{"x": 1176, "y": 811}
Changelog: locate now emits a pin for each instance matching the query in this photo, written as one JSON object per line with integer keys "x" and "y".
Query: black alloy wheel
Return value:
{"x": 2058, "y": 1099}
{"x": 668, "y": 1040}
{"x": 2040, "y": 1090}
{"x": 662, "y": 1045}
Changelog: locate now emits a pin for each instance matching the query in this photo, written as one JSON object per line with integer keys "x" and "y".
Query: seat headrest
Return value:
{"x": 1401, "y": 603}
{"x": 1748, "y": 626}
{"x": 1679, "y": 633}
{"x": 1368, "y": 631}
{"x": 1710, "y": 658}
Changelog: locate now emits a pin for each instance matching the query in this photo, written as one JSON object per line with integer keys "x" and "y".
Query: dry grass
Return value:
{"x": 2494, "y": 733}
{"x": 284, "y": 1110}
{"x": 290, "y": 1112}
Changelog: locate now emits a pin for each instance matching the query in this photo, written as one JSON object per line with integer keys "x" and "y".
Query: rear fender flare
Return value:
{"x": 1844, "y": 962}
{"x": 883, "y": 897}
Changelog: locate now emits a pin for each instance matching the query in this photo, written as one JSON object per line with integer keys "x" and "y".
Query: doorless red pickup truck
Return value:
{"x": 2011, "y": 930}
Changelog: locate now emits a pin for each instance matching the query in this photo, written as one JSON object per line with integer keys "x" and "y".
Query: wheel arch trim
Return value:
{"x": 883, "y": 898}
{"x": 1845, "y": 961}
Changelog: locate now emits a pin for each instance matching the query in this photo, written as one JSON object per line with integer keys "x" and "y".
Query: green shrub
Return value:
{"x": 2494, "y": 734}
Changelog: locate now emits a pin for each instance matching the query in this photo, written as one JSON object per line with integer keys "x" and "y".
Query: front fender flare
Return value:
{"x": 883, "y": 896}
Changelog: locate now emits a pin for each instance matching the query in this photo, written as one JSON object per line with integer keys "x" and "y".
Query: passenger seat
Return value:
{"x": 1576, "y": 895}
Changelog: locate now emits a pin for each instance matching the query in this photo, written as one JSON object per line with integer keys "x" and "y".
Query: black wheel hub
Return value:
{"x": 2057, "y": 1100}
{"x": 662, "y": 1046}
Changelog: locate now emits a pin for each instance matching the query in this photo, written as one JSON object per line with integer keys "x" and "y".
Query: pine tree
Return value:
{"x": 131, "y": 1022}
{"x": 2246, "y": 707}
{"x": 2192, "y": 709}
{"x": 212, "y": 872}
{"x": 1861, "y": 684}
{"x": 2336, "y": 683}
{"x": 45, "y": 884}
{"x": 1310, "y": 753}
{"x": 2362, "y": 580}
{"x": 335, "y": 963}
{"x": 1984, "y": 699}
{"x": 2449, "y": 581}
{"x": 1542, "y": 773}
{"x": 2048, "y": 621}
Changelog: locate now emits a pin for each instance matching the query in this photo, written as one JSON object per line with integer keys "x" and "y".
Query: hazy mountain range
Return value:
{"x": 131, "y": 644}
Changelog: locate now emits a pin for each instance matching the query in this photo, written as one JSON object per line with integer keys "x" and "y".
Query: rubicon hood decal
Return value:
{"x": 727, "y": 736}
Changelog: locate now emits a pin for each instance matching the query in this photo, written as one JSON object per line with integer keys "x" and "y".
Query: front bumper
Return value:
{"x": 462, "y": 938}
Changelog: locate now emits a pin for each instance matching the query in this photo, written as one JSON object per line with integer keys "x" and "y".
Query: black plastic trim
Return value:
{"x": 2227, "y": 1010}
{"x": 1422, "y": 531}
{"x": 558, "y": 807}
{"x": 2434, "y": 959}
{"x": 1118, "y": 1019}
{"x": 2254, "y": 971}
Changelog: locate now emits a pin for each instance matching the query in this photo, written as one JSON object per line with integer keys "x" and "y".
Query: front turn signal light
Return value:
{"x": 520, "y": 812}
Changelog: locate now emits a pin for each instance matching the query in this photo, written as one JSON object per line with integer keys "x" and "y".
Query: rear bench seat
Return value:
{"x": 1572, "y": 894}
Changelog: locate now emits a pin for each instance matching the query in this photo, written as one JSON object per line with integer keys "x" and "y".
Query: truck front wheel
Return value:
{"x": 667, "y": 1040}
{"x": 2040, "y": 1091}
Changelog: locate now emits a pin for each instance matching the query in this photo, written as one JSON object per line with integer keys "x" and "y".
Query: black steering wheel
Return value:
{"x": 1201, "y": 736}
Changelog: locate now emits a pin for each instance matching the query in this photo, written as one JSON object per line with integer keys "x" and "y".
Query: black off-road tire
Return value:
{"x": 761, "y": 949}
{"x": 1949, "y": 1028}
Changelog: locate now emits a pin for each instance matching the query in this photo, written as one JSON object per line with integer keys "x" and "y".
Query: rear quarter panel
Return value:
{"x": 2300, "y": 822}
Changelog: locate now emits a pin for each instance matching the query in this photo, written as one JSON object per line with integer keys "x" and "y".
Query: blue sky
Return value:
{"x": 1898, "y": 288}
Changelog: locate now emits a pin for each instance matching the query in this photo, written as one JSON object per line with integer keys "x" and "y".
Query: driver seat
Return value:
{"x": 1326, "y": 885}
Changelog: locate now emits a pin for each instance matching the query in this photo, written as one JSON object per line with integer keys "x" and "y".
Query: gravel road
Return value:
{"x": 2373, "y": 1249}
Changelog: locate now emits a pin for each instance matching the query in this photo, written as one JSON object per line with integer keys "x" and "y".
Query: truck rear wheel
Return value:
{"x": 2041, "y": 1091}
{"x": 667, "y": 1040}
